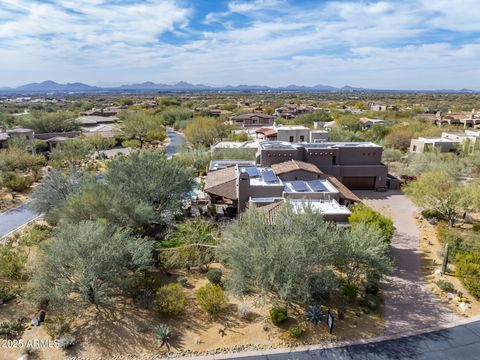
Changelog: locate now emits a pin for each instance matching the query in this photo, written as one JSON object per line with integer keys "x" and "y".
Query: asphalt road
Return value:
{"x": 176, "y": 141}
{"x": 460, "y": 342}
{"x": 15, "y": 218}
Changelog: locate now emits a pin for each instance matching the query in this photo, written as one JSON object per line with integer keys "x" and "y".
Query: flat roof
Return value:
{"x": 222, "y": 164}
{"x": 236, "y": 145}
{"x": 328, "y": 207}
{"x": 323, "y": 145}
{"x": 261, "y": 176}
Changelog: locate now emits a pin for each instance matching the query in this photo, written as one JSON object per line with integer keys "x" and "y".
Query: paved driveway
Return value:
{"x": 409, "y": 304}
{"x": 15, "y": 218}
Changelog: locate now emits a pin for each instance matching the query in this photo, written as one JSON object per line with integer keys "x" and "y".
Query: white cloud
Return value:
{"x": 385, "y": 43}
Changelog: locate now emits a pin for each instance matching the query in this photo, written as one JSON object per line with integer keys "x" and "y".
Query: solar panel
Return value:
{"x": 299, "y": 186}
{"x": 269, "y": 176}
{"x": 252, "y": 171}
{"x": 317, "y": 186}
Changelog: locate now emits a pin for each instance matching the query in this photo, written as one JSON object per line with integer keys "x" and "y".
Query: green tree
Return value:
{"x": 73, "y": 151}
{"x": 150, "y": 177}
{"x": 205, "y": 131}
{"x": 467, "y": 268}
{"x": 56, "y": 187}
{"x": 438, "y": 190}
{"x": 362, "y": 214}
{"x": 99, "y": 201}
{"x": 197, "y": 157}
{"x": 285, "y": 258}
{"x": 44, "y": 122}
{"x": 142, "y": 126}
{"x": 87, "y": 263}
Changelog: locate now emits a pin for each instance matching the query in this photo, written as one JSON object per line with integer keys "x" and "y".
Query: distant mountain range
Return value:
{"x": 50, "y": 86}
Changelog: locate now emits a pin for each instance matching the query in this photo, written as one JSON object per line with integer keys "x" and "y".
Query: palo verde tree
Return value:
{"x": 142, "y": 126}
{"x": 438, "y": 190}
{"x": 150, "y": 177}
{"x": 87, "y": 263}
{"x": 299, "y": 249}
{"x": 55, "y": 188}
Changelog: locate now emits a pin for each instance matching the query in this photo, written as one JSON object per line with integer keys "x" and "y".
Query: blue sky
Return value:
{"x": 395, "y": 44}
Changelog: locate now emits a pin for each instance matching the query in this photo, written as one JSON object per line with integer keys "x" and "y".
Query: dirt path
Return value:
{"x": 409, "y": 303}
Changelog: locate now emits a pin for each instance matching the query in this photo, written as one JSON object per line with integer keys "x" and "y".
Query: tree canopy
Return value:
{"x": 87, "y": 263}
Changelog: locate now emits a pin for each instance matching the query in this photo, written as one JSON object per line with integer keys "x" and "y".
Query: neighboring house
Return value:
{"x": 293, "y": 134}
{"x": 53, "y": 139}
{"x": 377, "y": 107}
{"x": 448, "y": 142}
{"x": 252, "y": 120}
{"x": 266, "y": 133}
{"x": 24, "y": 133}
{"x": 95, "y": 120}
{"x": 368, "y": 123}
{"x": 108, "y": 111}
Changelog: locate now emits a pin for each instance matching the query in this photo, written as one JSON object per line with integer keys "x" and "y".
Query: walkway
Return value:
{"x": 409, "y": 304}
{"x": 15, "y": 218}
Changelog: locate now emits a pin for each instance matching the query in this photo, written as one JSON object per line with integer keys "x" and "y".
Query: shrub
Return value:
{"x": 215, "y": 276}
{"x": 295, "y": 331}
{"x": 476, "y": 227}
{"x": 349, "y": 291}
{"x": 364, "y": 215}
{"x": 15, "y": 182}
{"x": 322, "y": 285}
{"x": 182, "y": 280}
{"x": 371, "y": 301}
{"x": 6, "y": 294}
{"x": 163, "y": 333}
{"x": 445, "y": 286}
{"x": 12, "y": 263}
{"x": 467, "y": 268}
{"x": 244, "y": 310}
{"x": 10, "y": 329}
{"x": 278, "y": 315}
{"x": 66, "y": 341}
{"x": 58, "y": 325}
{"x": 171, "y": 299}
{"x": 430, "y": 214}
{"x": 211, "y": 299}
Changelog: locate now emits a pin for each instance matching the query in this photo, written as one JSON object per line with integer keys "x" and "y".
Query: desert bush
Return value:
{"x": 244, "y": 310}
{"x": 371, "y": 301}
{"x": 364, "y": 215}
{"x": 66, "y": 341}
{"x": 171, "y": 299}
{"x": 12, "y": 263}
{"x": 323, "y": 285}
{"x": 295, "y": 331}
{"x": 182, "y": 280}
{"x": 163, "y": 333}
{"x": 430, "y": 214}
{"x": 476, "y": 227}
{"x": 445, "y": 286}
{"x": 10, "y": 329}
{"x": 278, "y": 315}
{"x": 58, "y": 325}
{"x": 467, "y": 268}
{"x": 215, "y": 276}
{"x": 15, "y": 182}
{"x": 211, "y": 299}
{"x": 372, "y": 283}
{"x": 350, "y": 291}
{"x": 6, "y": 294}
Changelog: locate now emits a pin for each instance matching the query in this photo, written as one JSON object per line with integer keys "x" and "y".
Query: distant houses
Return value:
{"x": 447, "y": 142}
{"x": 252, "y": 120}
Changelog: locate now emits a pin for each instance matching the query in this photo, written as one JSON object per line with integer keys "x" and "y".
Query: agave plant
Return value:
{"x": 163, "y": 333}
{"x": 314, "y": 314}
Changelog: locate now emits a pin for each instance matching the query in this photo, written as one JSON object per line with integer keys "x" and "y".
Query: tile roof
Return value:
{"x": 222, "y": 183}
{"x": 294, "y": 165}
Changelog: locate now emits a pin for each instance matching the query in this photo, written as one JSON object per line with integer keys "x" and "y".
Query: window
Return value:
{"x": 334, "y": 160}
{"x": 291, "y": 138}
{"x": 254, "y": 121}
{"x": 302, "y": 138}
{"x": 414, "y": 148}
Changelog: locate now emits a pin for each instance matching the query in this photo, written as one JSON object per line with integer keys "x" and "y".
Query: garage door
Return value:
{"x": 359, "y": 182}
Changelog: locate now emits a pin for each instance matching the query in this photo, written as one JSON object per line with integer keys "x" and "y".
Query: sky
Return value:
{"x": 390, "y": 44}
